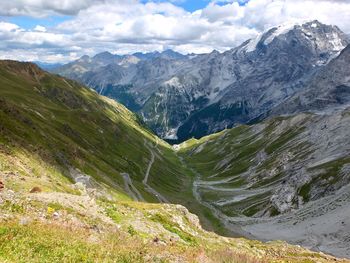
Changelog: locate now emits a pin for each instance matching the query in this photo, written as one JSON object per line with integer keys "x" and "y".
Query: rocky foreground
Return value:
{"x": 87, "y": 227}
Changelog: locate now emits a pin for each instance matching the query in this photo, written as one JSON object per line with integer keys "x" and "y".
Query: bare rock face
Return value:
{"x": 283, "y": 199}
{"x": 328, "y": 89}
{"x": 183, "y": 96}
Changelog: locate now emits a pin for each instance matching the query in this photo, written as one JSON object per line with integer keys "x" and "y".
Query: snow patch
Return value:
{"x": 251, "y": 46}
{"x": 280, "y": 30}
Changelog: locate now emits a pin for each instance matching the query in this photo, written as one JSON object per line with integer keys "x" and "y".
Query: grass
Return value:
{"x": 49, "y": 243}
{"x": 327, "y": 174}
{"x": 282, "y": 140}
{"x": 48, "y": 240}
{"x": 174, "y": 228}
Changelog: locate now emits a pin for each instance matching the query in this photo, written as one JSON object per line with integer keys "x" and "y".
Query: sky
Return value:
{"x": 59, "y": 31}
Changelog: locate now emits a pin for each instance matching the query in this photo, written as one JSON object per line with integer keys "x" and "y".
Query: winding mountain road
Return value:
{"x": 148, "y": 188}
{"x": 235, "y": 229}
{"x": 131, "y": 189}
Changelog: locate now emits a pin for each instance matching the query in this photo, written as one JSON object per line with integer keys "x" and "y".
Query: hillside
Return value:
{"x": 286, "y": 178}
{"x": 72, "y": 165}
{"x": 76, "y": 131}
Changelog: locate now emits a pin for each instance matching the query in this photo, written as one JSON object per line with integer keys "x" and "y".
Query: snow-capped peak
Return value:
{"x": 252, "y": 44}
{"x": 308, "y": 27}
{"x": 280, "y": 30}
{"x": 270, "y": 34}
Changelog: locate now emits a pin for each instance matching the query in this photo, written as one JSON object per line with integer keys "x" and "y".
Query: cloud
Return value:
{"x": 126, "y": 26}
{"x": 8, "y": 27}
{"x": 39, "y": 28}
{"x": 41, "y": 8}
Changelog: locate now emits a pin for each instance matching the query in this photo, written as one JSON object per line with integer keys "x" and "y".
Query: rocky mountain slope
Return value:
{"x": 328, "y": 89}
{"x": 184, "y": 96}
{"x": 72, "y": 165}
{"x": 286, "y": 178}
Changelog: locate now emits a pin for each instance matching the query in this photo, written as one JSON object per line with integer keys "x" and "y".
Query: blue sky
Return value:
{"x": 193, "y": 5}
{"x": 189, "y": 5}
{"x": 61, "y": 31}
{"x": 28, "y": 22}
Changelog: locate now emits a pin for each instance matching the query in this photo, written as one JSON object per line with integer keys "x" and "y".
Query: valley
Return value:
{"x": 240, "y": 182}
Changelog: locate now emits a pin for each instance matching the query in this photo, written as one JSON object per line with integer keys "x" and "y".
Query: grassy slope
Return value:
{"x": 50, "y": 127}
{"x": 68, "y": 126}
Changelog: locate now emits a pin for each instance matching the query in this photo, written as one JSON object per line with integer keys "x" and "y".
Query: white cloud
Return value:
{"x": 126, "y": 26}
{"x": 40, "y": 28}
{"x": 8, "y": 27}
{"x": 41, "y": 8}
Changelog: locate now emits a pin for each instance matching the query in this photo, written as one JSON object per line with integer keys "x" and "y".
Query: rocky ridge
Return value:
{"x": 184, "y": 96}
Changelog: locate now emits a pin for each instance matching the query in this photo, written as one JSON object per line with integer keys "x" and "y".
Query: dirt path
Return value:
{"x": 131, "y": 189}
{"x": 145, "y": 180}
{"x": 148, "y": 188}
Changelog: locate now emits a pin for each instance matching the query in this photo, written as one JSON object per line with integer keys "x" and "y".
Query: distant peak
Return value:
{"x": 172, "y": 54}
{"x": 168, "y": 54}
{"x": 85, "y": 57}
{"x": 104, "y": 54}
{"x": 169, "y": 51}
{"x": 308, "y": 26}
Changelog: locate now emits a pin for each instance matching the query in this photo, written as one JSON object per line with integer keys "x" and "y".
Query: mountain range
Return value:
{"x": 262, "y": 153}
{"x": 180, "y": 97}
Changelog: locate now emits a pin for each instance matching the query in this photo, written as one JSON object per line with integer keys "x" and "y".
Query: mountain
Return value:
{"x": 170, "y": 54}
{"x": 72, "y": 165}
{"x": 267, "y": 70}
{"x": 193, "y": 96}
